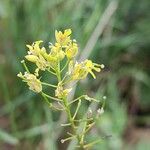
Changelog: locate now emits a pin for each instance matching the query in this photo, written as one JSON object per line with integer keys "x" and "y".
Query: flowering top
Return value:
{"x": 37, "y": 55}
{"x": 51, "y": 60}
{"x": 32, "y": 81}
{"x": 81, "y": 70}
{"x": 63, "y": 38}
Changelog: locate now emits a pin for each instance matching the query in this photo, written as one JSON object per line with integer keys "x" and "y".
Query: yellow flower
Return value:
{"x": 34, "y": 49}
{"x": 31, "y": 58}
{"x": 71, "y": 50}
{"x": 50, "y": 58}
{"x": 32, "y": 81}
{"x": 42, "y": 63}
{"x": 92, "y": 66}
{"x": 57, "y": 52}
{"x": 37, "y": 55}
{"x": 81, "y": 70}
{"x": 60, "y": 92}
{"x": 63, "y": 38}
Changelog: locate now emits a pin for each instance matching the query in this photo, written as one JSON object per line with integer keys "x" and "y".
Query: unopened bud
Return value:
{"x": 102, "y": 66}
{"x": 22, "y": 61}
{"x": 62, "y": 141}
{"x": 31, "y": 58}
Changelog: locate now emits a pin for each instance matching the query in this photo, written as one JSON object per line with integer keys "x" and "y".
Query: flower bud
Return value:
{"x": 31, "y": 58}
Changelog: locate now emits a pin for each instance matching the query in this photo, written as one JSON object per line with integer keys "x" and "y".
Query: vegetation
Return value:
{"x": 112, "y": 32}
{"x": 60, "y": 61}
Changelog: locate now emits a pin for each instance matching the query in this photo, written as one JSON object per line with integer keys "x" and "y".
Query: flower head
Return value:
{"x": 90, "y": 66}
{"x": 34, "y": 49}
{"x": 63, "y": 38}
{"x": 32, "y": 81}
{"x": 78, "y": 71}
{"x": 71, "y": 50}
{"x": 57, "y": 52}
{"x": 60, "y": 92}
{"x": 37, "y": 55}
{"x": 81, "y": 70}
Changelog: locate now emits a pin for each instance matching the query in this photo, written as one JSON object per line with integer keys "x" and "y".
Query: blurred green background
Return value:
{"x": 115, "y": 33}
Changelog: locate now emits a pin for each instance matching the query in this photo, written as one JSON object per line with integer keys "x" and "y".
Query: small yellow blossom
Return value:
{"x": 63, "y": 38}
{"x": 92, "y": 66}
{"x": 37, "y": 55}
{"x": 32, "y": 81}
{"x": 34, "y": 49}
{"x": 81, "y": 70}
{"x": 42, "y": 63}
{"x": 32, "y": 58}
{"x": 71, "y": 50}
{"x": 57, "y": 52}
{"x": 60, "y": 92}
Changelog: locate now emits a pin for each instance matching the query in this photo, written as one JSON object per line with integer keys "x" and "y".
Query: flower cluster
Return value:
{"x": 81, "y": 70}
{"x": 64, "y": 47}
{"x": 32, "y": 81}
{"x": 52, "y": 60}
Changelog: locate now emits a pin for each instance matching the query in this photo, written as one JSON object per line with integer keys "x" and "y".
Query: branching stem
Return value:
{"x": 51, "y": 85}
{"x": 53, "y": 98}
{"x": 67, "y": 109}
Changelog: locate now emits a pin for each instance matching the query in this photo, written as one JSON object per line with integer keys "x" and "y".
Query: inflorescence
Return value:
{"x": 64, "y": 50}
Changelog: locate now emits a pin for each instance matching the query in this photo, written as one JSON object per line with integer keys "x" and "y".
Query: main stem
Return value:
{"x": 72, "y": 123}
{"x": 67, "y": 109}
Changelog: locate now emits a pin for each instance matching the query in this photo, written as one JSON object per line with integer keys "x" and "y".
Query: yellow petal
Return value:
{"x": 50, "y": 58}
{"x": 57, "y": 35}
{"x": 30, "y": 47}
{"x": 102, "y": 66}
{"x": 96, "y": 69}
{"x": 67, "y": 32}
{"x": 20, "y": 75}
{"x": 31, "y": 58}
{"x": 38, "y": 42}
{"x": 93, "y": 75}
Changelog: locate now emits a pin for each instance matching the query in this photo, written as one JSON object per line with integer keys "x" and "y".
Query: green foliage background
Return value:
{"x": 124, "y": 47}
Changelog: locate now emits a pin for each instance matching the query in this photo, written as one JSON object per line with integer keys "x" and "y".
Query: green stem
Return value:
{"x": 91, "y": 144}
{"x": 53, "y": 98}
{"x": 71, "y": 120}
{"x": 67, "y": 109}
{"x": 25, "y": 66}
{"x": 65, "y": 66}
{"x": 51, "y": 72}
{"x": 89, "y": 127}
{"x": 79, "y": 103}
{"x": 51, "y": 85}
{"x": 45, "y": 98}
{"x": 79, "y": 98}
